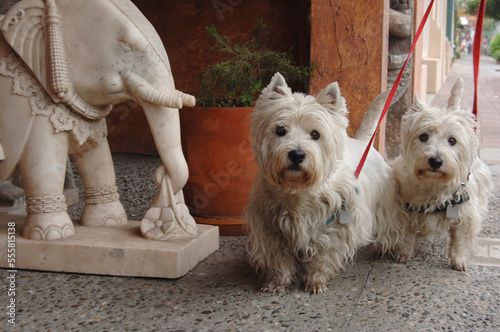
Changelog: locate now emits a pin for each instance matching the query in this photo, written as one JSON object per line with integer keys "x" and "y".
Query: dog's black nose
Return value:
{"x": 296, "y": 156}
{"x": 435, "y": 163}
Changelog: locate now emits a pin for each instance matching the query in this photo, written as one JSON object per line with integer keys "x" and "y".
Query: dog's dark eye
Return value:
{"x": 452, "y": 141}
{"x": 280, "y": 131}
{"x": 314, "y": 135}
{"x": 424, "y": 138}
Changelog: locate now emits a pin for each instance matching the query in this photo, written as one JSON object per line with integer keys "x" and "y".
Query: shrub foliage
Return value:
{"x": 237, "y": 80}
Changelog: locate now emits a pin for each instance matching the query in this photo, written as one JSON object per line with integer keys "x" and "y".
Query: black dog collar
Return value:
{"x": 456, "y": 200}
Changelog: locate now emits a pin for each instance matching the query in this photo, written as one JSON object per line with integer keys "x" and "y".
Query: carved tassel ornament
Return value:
{"x": 60, "y": 82}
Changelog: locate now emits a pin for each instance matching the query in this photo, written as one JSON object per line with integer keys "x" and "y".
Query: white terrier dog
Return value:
{"x": 307, "y": 211}
{"x": 442, "y": 185}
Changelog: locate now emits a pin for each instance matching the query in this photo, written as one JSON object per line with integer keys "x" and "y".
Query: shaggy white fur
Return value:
{"x": 439, "y": 163}
{"x": 305, "y": 187}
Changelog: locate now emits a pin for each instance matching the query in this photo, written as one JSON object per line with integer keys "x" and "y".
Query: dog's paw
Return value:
{"x": 402, "y": 258}
{"x": 459, "y": 265}
{"x": 317, "y": 287}
{"x": 273, "y": 287}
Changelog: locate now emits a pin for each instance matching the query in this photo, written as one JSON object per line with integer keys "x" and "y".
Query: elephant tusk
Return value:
{"x": 187, "y": 100}
{"x": 142, "y": 90}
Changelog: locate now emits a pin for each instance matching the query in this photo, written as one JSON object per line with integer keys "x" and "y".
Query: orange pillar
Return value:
{"x": 349, "y": 45}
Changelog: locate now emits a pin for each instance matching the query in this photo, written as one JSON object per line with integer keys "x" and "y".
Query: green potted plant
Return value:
{"x": 215, "y": 136}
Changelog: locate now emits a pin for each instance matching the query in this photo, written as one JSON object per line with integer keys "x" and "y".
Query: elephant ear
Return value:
{"x": 33, "y": 29}
{"x": 142, "y": 23}
{"x": 22, "y": 27}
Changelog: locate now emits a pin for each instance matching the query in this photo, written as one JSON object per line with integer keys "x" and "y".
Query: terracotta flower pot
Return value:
{"x": 216, "y": 144}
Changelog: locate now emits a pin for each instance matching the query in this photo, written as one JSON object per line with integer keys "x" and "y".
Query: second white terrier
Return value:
{"x": 442, "y": 185}
{"x": 307, "y": 211}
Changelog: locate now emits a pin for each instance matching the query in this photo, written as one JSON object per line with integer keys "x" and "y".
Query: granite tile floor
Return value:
{"x": 222, "y": 293}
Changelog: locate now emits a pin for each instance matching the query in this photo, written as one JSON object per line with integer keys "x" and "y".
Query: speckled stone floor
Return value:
{"x": 222, "y": 292}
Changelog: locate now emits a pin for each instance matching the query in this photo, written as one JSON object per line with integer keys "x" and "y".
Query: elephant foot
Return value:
{"x": 103, "y": 208}
{"x": 48, "y": 226}
{"x": 105, "y": 214}
{"x": 47, "y": 218}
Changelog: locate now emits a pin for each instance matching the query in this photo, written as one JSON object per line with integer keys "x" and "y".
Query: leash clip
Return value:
{"x": 345, "y": 216}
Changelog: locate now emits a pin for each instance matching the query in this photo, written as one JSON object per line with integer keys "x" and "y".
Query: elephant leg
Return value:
{"x": 102, "y": 201}
{"x": 42, "y": 168}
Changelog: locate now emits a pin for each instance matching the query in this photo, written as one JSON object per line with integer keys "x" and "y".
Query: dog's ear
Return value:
{"x": 417, "y": 104}
{"x": 330, "y": 97}
{"x": 456, "y": 94}
{"x": 278, "y": 85}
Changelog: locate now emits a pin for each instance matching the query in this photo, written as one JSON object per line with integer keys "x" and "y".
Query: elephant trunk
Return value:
{"x": 144, "y": 91}
{"x": 165, "y": 126}
{"x": 162, "y": 112}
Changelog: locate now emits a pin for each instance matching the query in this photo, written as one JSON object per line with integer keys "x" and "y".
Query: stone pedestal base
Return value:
{"x": 117, "y": 250}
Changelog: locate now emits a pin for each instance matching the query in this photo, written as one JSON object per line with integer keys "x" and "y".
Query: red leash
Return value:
{"x": 393, "y": 90}
{"x": 477, "y": 51}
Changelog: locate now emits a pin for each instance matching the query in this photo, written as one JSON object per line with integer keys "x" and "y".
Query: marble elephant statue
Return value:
{"x": 63, "y": 64}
